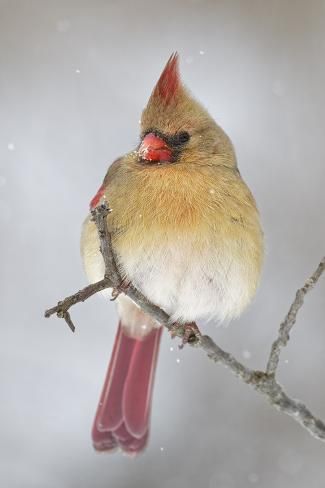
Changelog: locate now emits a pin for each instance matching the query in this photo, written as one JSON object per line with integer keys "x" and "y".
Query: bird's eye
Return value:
{"x": 182, "y": 137}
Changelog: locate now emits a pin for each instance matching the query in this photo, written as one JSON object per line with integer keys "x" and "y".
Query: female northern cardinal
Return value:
{"x": 186, "y": 232}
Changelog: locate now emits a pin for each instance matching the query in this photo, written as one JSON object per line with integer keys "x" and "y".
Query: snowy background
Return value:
{"x": 74, "y": 77}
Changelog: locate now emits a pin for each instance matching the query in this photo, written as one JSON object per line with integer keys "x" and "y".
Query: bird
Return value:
{"x": 185, "y": 231}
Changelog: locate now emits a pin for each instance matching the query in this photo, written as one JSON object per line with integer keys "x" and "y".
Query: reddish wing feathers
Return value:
{"x": 169, "y": 81}
{"x": 94, "y": 202}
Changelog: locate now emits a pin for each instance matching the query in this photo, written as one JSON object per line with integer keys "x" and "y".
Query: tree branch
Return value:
{"x": 290, "y": 319}
{"x": 263, "y": 382}
{"x": 61, "y": 309}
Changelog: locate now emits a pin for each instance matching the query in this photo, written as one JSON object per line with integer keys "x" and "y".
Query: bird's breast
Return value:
{"x": 189, "y": 248}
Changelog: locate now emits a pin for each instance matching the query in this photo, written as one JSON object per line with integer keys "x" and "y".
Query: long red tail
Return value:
{"x": 123, "y": 413}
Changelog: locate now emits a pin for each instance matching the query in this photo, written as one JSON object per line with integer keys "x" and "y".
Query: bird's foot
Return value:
{"x": 189, "y": 332}
{"x": 121, "y": 288}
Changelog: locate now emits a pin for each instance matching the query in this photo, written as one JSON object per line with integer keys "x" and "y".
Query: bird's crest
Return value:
{"x": 169, "y": 82}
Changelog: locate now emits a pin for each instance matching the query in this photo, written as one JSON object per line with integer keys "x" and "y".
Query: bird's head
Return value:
{"x": 176, "y": 129}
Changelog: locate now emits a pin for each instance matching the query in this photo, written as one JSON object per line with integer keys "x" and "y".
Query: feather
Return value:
{"x": 169, "y": 81}
{"x": 122, "y": 418}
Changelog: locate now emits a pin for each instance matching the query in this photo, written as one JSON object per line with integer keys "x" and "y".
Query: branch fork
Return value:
{"x": 264, "y": 382}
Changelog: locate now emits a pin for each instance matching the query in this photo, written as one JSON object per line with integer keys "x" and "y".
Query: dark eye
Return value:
{"x": 182, "y": 137}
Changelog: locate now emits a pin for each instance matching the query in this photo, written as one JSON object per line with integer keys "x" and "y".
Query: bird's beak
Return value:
{"x": 154, "y": 149}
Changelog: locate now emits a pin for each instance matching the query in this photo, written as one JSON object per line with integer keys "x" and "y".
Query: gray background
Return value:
{"x": 74, "y": 77}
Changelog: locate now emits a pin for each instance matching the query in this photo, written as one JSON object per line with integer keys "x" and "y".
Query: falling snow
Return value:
{"x": 253, "y": 478}
{"x": 262, "y": 450}
{"x": 63, "y": 25}
{"x": 246, "y": 354}
{"x": 278, "y": 88}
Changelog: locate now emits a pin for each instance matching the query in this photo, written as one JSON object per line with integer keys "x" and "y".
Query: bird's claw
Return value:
{"x": 189, "y": 332}
{"x": 121, "y": 288}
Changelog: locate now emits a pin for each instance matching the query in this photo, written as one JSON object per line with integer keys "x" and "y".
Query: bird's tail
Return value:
{"x": 123, "y": 413}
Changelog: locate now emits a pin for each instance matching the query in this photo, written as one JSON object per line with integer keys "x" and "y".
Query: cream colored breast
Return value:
{"x": 197, "y": 255}
{"x": 192, "y": 278}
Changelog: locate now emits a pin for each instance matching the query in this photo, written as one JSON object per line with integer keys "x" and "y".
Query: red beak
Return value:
{"x": 153, "y": 148}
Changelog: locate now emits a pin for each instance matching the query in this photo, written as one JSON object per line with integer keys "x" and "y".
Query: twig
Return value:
{"x": 262, "y": 381}
{"x": 113, "y": 273}
{"x": 268, "y": 387}
{"x": 290, "y": 319}
{"x": 99, "y": 215}
{"x": 112, "y": 279}
{"x": 61, "y": 309}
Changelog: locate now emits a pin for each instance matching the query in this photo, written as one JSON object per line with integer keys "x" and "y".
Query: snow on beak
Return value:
{"x": 154, "y": 149}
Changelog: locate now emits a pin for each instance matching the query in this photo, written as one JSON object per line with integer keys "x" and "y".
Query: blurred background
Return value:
{"x": 74, "y": 77}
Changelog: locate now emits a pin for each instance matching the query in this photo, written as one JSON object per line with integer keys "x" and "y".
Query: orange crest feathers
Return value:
{"x": 169, "y": 81}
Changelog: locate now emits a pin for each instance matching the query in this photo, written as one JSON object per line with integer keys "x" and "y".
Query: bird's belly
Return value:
{"x": 188, "y": 277}
{"x": 191, "y": 281}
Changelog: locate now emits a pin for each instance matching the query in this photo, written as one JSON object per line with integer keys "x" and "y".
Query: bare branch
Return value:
{"x": 263, "y": 382}
{"x": 290, "y": 319}
{"x": 268, "y": 387}
{"x": 113, "y": 271}
{"x": 99, "y": 215}
{"x": 112, "y": 279}
{"x": 61, "y": 309}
